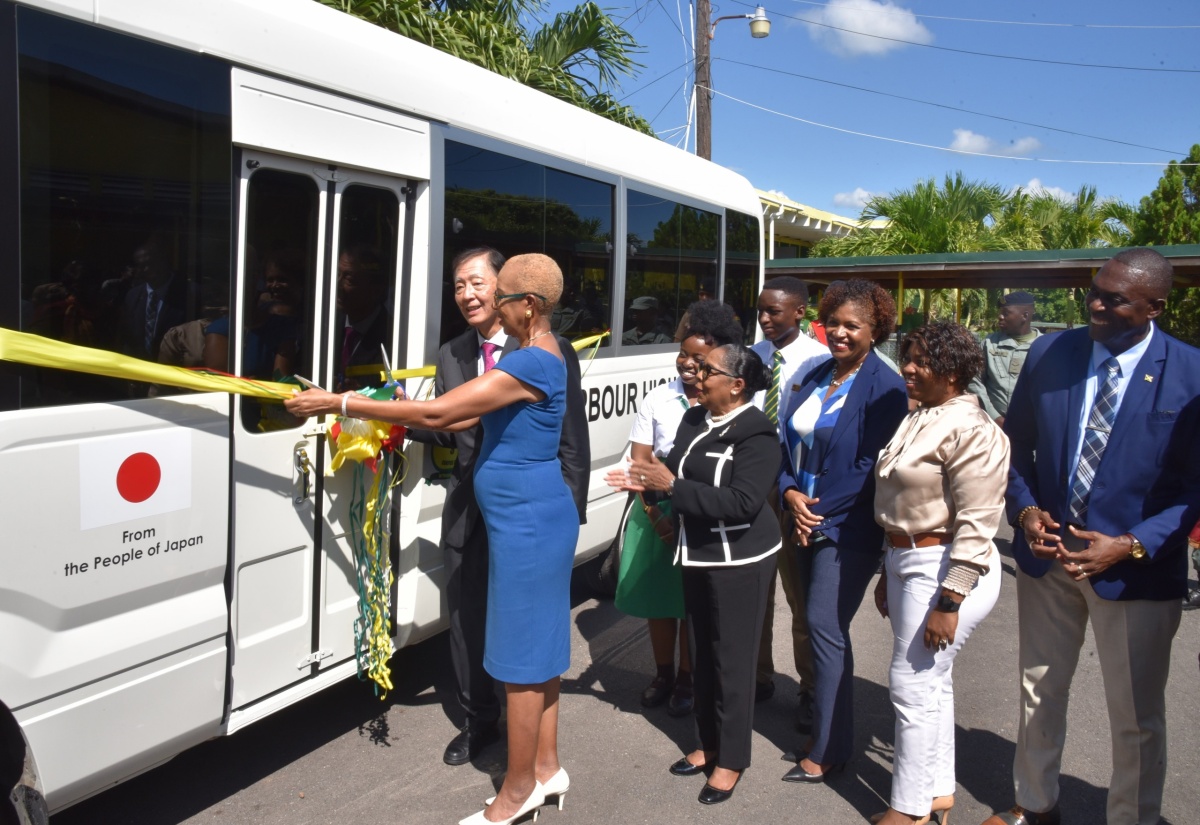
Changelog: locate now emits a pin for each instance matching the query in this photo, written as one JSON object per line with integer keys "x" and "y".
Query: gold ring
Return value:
{"x": 643, "y": 478}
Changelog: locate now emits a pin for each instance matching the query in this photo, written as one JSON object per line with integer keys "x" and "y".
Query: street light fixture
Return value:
{"x": 760, "y": 26}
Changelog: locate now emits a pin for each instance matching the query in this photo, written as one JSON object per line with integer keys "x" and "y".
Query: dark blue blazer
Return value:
{"x": 874, "y": 407}
{"x": 1148, "y": 483}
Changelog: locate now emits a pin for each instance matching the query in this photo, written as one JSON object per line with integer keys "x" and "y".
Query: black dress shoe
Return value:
{"x": 682, "y": 701}
{"x": 469, "y": 742}
{"x": 794, "y": 756}
{"x": 798, "y": 774}
{"x": 1192, "y": 600}
{"x": 683, "y": 767}
{"x": 657, "y": 692}
{"x": 714, "y": 796}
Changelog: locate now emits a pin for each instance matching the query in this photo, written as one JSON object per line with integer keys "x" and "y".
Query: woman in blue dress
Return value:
{"x": 531, "y": 520}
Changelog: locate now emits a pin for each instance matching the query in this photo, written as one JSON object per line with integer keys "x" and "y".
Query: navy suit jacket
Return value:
{"x": 1148, "y": 482}
{"x": 874, "y": 407}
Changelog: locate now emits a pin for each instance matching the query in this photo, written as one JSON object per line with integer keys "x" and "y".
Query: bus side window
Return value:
{"x": 125, "y": 200}
{"x": 743, "y": 239}
{"x": 673, "y": 251}
{"x": 518, "y": 206}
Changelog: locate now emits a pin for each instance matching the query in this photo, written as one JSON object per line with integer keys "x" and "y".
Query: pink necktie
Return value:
{"x": 489, "y": 355}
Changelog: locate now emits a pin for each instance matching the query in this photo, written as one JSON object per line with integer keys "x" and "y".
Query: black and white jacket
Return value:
{"x": 724, "y": 473}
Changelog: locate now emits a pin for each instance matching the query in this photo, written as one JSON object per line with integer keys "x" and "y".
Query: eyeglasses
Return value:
{"x": 499, "y": 297}
{"x": 706, "y": 369}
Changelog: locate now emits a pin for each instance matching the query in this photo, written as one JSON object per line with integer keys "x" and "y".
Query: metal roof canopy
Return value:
{"x": 1044, "y": 269}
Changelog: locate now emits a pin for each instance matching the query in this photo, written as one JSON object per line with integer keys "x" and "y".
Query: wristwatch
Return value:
{"x": 945, "y": 604}
{"x": 1137, "y": 550}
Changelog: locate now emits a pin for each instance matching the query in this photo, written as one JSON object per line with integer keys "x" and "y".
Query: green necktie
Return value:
{"x": 771, "y": 408}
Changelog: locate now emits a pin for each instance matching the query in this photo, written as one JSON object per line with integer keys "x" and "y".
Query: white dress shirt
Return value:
{"x": 799, "y": 357}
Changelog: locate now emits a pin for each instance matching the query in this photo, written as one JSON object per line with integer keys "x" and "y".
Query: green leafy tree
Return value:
{"x": 973, "y": 216}
{"x": 1171, "y": 213}
{"x": 575, "y": 57}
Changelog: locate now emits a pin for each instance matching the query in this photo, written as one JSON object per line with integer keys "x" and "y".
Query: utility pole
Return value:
{"x": 703, "y": 80}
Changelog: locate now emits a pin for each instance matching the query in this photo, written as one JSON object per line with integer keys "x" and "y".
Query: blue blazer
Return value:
{"x": 874, "y": 407}
{"x": 1148, "y": 483}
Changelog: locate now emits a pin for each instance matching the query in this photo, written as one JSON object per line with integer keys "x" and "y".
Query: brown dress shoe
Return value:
{"x": 1020, "y": 816}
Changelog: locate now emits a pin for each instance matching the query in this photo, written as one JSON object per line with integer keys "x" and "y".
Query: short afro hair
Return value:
{"x": 951, "y": 350}
{"x": 713, "y": 321}
{"x": 877, "y": 301}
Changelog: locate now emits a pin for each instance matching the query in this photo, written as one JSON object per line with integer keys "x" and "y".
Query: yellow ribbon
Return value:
{"x": 36, "y": 351}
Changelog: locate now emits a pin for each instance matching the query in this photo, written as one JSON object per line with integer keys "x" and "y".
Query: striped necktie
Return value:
{"x": 771, "y": 407}
{"x": 1095, "y": 439}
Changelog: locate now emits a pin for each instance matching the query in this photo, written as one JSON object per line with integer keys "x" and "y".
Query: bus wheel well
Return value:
{"x": 22, "y": 802}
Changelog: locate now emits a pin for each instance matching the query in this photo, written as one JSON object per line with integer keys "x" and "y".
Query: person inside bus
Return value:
{"x": 719, "y": 473}
{"x": 464, "y": 536}
{"x": 531, "y": 519}
{"x": 649, "y": 583}
{"x": 644, "y": 313}
{"x": 272, "y": 338}
{"x": 362, "y": 292}
{"x": 157, "y": 301}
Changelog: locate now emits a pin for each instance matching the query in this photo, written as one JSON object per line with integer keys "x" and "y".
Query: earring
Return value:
{"x": 528, "y": 313}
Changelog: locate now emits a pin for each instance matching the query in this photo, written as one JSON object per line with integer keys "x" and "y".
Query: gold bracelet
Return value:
{"x": 1024, "y": 512}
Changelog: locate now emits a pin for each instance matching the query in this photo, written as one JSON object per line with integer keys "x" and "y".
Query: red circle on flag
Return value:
{"x": 138, "y": 477}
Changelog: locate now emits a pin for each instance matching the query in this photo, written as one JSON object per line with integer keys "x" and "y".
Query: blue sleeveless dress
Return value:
{"x": 532, "y": 527}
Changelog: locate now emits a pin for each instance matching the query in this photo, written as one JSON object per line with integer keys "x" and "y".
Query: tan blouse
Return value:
{"x": 945, "y": 471}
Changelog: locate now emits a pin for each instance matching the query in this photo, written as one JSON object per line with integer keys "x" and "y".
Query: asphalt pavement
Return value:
{"x": 347, "y": 757}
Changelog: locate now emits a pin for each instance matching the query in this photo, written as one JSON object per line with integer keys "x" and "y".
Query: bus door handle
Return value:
{"x": 302, "y": 472}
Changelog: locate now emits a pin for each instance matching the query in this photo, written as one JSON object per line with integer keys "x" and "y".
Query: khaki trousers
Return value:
{"x": 1133, "y": 644}
{"x": 795, "y": 573}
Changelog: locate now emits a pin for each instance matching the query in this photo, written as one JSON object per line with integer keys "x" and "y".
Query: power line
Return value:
{"x": 980, "y": 54}
{"x": 1001, "y": 22}
{"x": 655, "y": 80}
{"x": 939, "y": 148}
{"x": 944, "y": 106}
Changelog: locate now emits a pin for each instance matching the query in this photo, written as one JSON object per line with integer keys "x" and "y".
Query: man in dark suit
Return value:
{"x": 158, "y": 300}
{"x": 362, "y": 292}
{"x": 464, "y": 537}
{"x": 1104, "y": 486}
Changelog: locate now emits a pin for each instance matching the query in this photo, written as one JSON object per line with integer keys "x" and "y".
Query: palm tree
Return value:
{"x": 576, "y": 57}
{"x": 955, "y": 217}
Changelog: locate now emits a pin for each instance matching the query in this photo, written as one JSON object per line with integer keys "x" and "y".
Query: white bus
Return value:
{"x": 178, "y": 181}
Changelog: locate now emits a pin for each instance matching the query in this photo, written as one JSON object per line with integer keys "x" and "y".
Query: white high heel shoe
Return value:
{"x": 535, "y": 800}
{"x": 557, "y": 785}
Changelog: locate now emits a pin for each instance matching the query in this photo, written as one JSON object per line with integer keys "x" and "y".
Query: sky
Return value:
{"x": 815, "y": 110}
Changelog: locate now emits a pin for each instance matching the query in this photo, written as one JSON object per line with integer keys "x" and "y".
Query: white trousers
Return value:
{"x": 1133, "y": 644}
{"x": 921, "y": 682}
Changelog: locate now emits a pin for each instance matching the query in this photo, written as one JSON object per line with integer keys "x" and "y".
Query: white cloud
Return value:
{"x": 1036, "y": 187}
{"x": 967, "y": 141}
{"x": 857, "y": 199}
{"x": 880, "y": 18}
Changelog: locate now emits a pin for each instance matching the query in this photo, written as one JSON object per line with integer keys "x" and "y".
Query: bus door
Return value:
{"x": 320, "y": 245}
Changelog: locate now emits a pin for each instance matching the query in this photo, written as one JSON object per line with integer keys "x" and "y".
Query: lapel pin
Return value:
{"x": 1149, "y": 378}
